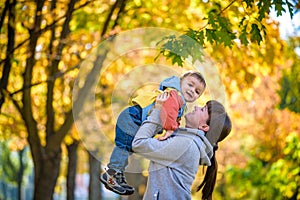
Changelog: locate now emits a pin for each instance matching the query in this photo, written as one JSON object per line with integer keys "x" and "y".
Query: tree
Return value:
{"x": 46, "y": 157}
{"x": 16, "y": 163}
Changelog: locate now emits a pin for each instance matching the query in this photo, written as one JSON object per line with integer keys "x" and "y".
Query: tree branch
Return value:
{"x": 108, "y": 18}
{"x": 121, "y": 10}
{"x": 48, "y": 27}
{"x": 221, "y": 11}
{"x": 4, "y": 13}
{"x": 54, "y": 69}
{"x": 84, "y": 92}
{"x": 10, "y": 47}
{"x": 50, "y": 85}
{"x": 50, "y": 79}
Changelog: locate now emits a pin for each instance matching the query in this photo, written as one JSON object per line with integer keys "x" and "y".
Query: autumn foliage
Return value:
{"x": 55, "y": 54}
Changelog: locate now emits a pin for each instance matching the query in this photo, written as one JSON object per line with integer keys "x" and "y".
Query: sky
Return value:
{"x": 287, "y": 26}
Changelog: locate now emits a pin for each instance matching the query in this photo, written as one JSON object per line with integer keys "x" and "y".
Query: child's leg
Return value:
{"x": 127, "y": 126}
{"x": 119, "y": 157}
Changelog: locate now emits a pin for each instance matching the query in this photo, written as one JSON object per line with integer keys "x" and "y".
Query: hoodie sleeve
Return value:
{"x": 169, "y": 111}
{"x": 164, "y": 152}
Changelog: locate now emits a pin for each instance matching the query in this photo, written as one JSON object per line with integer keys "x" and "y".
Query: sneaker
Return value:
{"x": 116, "y": 182}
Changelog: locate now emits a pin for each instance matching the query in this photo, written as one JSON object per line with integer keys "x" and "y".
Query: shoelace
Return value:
{"x": 120, "y": 177}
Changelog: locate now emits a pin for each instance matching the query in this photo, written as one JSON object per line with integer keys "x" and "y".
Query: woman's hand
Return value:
{"x": 160, "y": 99}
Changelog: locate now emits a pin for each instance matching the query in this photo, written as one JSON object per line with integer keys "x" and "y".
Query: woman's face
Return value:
{"x": 191, "y": 88}
{"x": 197, "y": 118}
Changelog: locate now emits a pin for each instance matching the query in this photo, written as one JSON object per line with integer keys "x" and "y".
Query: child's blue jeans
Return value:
{"x": 127, "y": 126}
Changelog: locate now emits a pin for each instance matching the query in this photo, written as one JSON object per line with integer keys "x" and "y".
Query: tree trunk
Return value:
{"x": 137, "y": 180}
{"x": 72, "y": 165}
{"x": 95, "y": 185}
{"x": 47, "y": 176}
{"x": 20, "y": 173}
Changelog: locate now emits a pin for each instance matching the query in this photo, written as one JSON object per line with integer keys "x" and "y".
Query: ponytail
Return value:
{"x": 209, "y": 180}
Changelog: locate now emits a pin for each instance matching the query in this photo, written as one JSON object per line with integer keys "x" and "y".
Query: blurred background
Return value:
{"x": 68, "y": 68}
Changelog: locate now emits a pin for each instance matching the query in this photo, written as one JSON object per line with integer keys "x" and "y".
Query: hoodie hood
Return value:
{"x": 203, "y": 144}
{"x": 172, "y": 82}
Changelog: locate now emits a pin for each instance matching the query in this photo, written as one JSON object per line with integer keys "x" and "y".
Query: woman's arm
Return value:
{"x": 163, "y": 152}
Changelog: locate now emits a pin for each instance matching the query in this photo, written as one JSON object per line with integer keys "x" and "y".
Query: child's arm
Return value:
{"x": 169, "y": 111}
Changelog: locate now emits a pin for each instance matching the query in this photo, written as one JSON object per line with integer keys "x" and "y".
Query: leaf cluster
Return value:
{"x": 220, "y": 27}
{"x": 265, "y": 180}
{"x": 290, "y": 80}
{"x": 176, "y": 47}
{"x": 12, "y": 159}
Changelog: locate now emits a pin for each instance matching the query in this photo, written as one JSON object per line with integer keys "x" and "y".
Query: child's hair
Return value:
{"x": 219, "y": 128}
{"x": 195, "y": 74}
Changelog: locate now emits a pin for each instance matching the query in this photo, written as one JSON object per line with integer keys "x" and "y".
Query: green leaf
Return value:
{"x": 255, "y": 34}
{"x": 279, "y": 7}
{"x": 264, "y": 7}
{"x": 211, "y": 35}
{"x": 177, "y": 59}
{"x": 211, "y": 20}
{"x": 168, "y": 46}
{"x": 243, "y": 37}
{"x": 290, "y": 8}
{"x": 249, "y": 3}
{"x": 224, "y": 33}
{"x": 200, "y": 38}
{"x": 191, "y": 33}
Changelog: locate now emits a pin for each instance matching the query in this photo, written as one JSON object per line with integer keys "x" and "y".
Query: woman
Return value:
{"x": 175, "y": 161}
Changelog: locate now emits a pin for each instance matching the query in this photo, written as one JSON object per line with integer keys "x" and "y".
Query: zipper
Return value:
{"x": 156, "y": 195}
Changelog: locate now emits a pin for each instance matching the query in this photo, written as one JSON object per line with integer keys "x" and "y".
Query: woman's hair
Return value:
{"x": 219, "y": 128}
{"x": 195, "y": 74}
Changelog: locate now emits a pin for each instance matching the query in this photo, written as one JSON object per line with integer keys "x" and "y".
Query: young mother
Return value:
{"x": 175, "y": 161}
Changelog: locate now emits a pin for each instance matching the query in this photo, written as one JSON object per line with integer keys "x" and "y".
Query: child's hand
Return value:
{"x": 160, "y": 99}
{"x": 166, "y": 135}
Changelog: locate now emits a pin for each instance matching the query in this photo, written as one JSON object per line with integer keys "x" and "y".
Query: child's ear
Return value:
{"x": 204, "y": 127}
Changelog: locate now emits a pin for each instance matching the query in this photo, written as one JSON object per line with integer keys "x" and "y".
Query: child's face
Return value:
{"x": 191, "y": 88}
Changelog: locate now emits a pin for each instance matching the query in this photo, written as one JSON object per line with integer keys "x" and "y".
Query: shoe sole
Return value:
{"x": 113, "y": 190}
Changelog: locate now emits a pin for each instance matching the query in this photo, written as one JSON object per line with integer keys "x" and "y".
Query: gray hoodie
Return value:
{"x": 173, "y": 162}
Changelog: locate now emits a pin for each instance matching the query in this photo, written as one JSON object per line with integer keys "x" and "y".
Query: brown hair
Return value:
{"x": 195, "y": 74}
{"x": 219, "y": 128}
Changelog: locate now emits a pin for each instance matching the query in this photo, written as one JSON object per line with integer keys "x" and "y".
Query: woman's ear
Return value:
{"x": 204, "y": 127}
